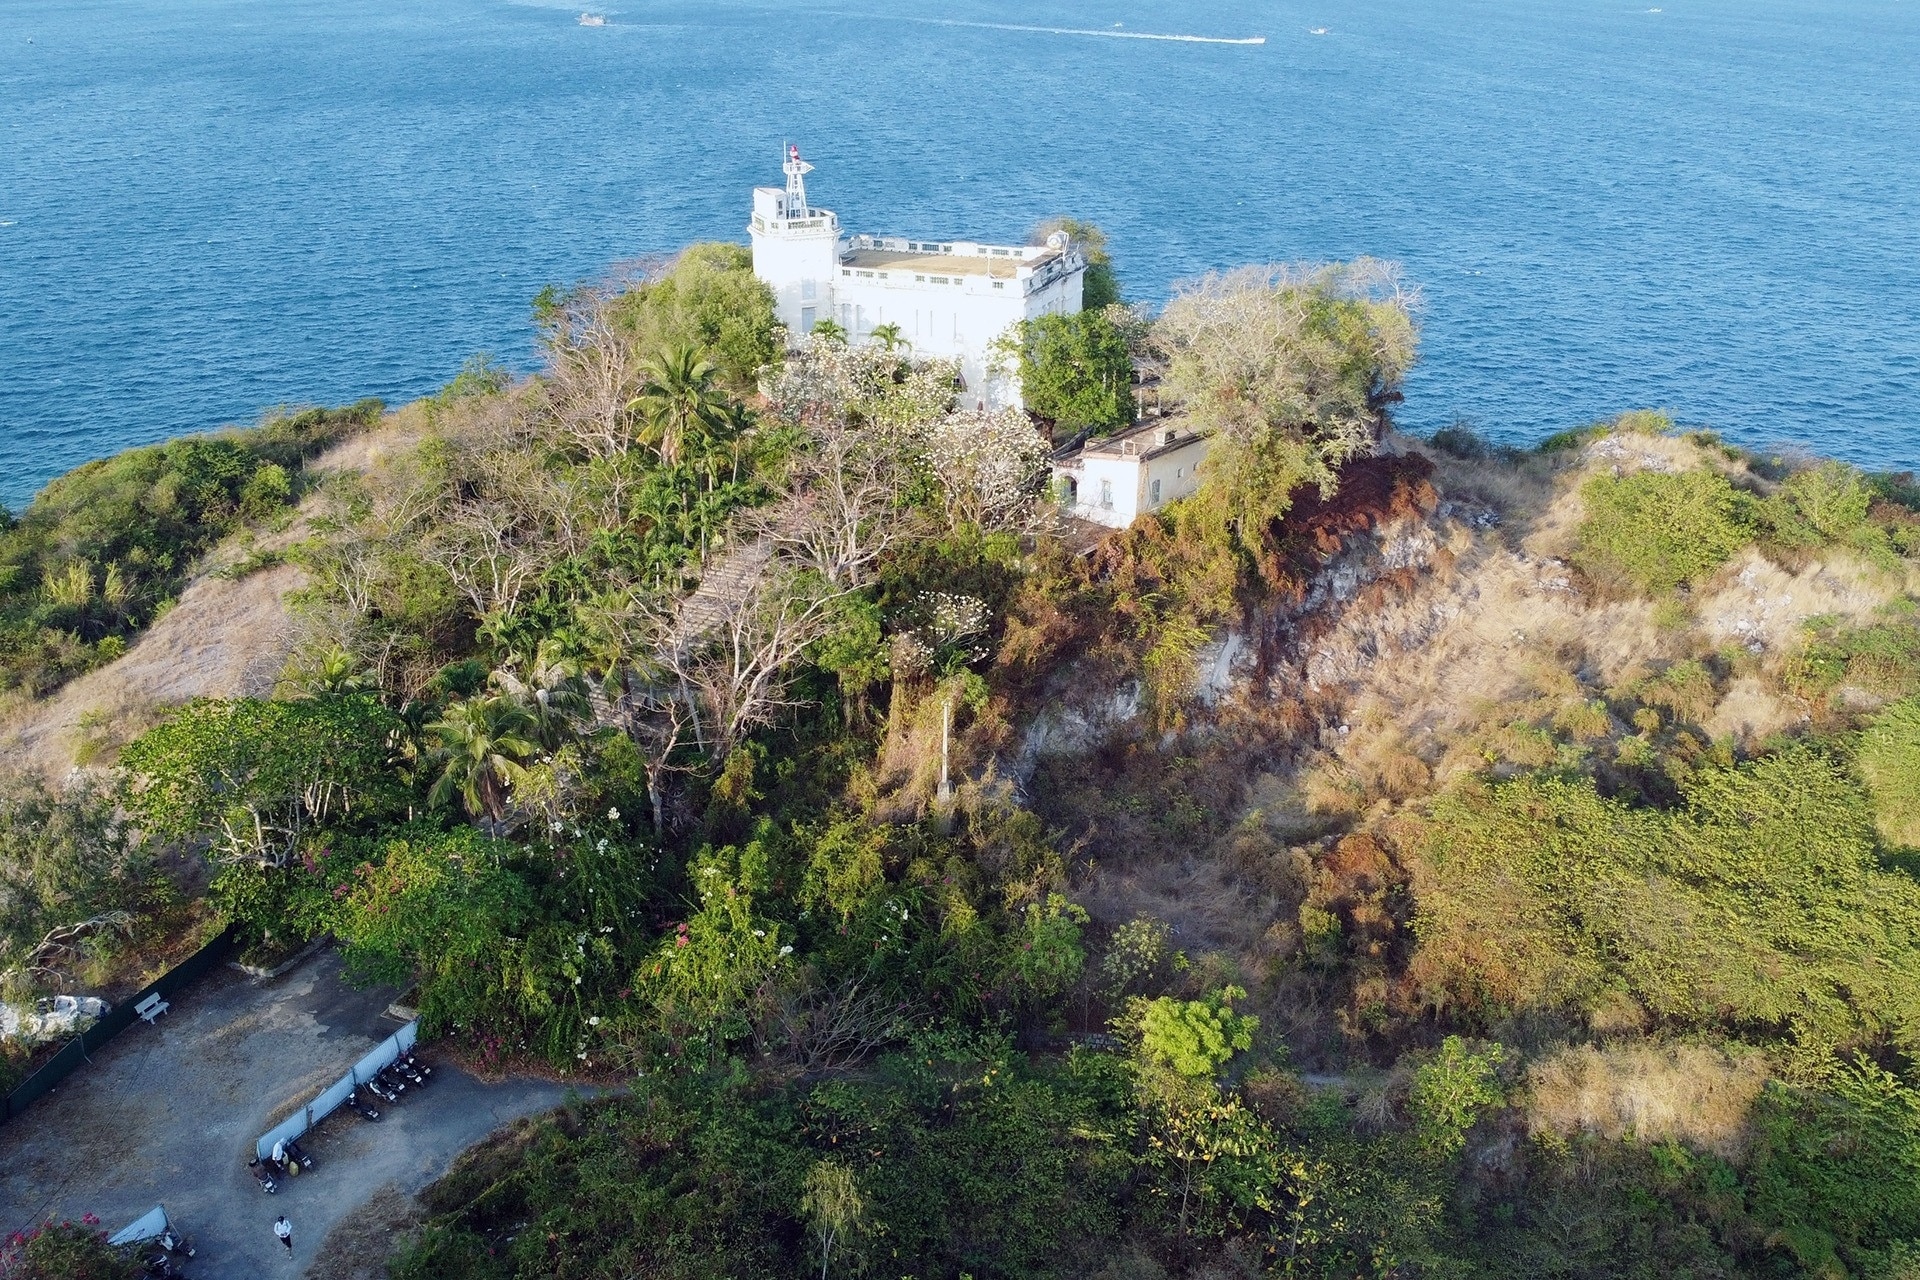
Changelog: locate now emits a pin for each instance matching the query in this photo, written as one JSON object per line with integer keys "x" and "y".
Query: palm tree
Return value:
{"x": 334, "y": 673}
{"x": 679, "y": 398}
{"x": 828, "y": 331}
{"x": 888, "y": 336}
{"x": 483, "y": 744}
{"x": 552, "y": 693}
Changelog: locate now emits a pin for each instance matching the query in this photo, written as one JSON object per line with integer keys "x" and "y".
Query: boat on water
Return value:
{"x": 1316, "y": 31}
{"x": 593, "y": 20}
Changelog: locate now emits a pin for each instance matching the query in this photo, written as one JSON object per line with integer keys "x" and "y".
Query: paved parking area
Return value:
{"x": 170, "y": 1113}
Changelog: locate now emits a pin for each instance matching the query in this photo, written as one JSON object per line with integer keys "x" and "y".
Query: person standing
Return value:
{"x": 284, "y": 1229}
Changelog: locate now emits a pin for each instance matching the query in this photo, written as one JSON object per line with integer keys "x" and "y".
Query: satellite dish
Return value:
{"x": 1058, "y": 240}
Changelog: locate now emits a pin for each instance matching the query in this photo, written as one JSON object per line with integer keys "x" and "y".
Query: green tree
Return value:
{"x": 829, "y": 331}
{"x": 709, "y": 299}
{"x": 1100, "y": 287}
{"x": 887, "y": 335}
{"x": 679, "y": 401}
{"x": 70, "y": 870}
{"x": 1450, "y": 1091}
{"x": 252, "y": 777}
{"x": 1075, "y": 370}
{"x": 1291, "y": 368}
{"x": 1196, "y": 1038}
{"x": 834, "y": 1208}
{"x": 484, "y": 746}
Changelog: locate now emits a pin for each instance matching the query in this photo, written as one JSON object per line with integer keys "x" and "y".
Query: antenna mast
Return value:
{"x": 797, "y": 169}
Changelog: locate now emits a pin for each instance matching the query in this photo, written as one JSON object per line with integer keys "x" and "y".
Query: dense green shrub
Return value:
{"x": 1654, "y": 531}
{"x": 66, "y": 1251}
{"x": 71, "y": 876}
{"x": 1889, "y": 760}
{"x": 1075, "y": 371}
{"x": 1761, "y": 905}
{"x": 1836, "y": 1172}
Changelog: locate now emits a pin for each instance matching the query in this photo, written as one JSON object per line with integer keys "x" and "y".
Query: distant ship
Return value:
{"x": 1316, "y": 31}
{"x": 593, "y": 20}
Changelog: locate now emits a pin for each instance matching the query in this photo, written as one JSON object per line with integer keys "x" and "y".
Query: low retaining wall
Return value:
{"x": 112, "y": 1023}
{"x": 331, "y": 1098}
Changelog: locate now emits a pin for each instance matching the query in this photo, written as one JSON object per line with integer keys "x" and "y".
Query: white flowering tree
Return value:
{"x": 991, "y": 465}
{"x": 831, "y": 383}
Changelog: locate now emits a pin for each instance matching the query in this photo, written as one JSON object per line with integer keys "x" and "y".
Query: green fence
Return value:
{"x": 112, "y": 1023}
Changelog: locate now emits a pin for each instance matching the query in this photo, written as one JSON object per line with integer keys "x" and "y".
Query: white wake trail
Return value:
{"x": 1085, "y": 31}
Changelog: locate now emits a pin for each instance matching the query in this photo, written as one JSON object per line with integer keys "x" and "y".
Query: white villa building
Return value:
{"x": 949, "y": 298}
{"x": 1144, "y": 468}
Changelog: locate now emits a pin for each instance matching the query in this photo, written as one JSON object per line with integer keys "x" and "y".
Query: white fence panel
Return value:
{"x": 331, "y": 1098}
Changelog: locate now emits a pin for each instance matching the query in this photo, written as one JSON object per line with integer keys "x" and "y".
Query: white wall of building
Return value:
{"x": 1111, "y": 486}
{"x": 951, "y": 299}
{"x": 797, "y": 257}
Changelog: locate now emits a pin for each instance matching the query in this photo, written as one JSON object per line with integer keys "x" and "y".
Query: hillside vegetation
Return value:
{"x": 1401, "y": 859}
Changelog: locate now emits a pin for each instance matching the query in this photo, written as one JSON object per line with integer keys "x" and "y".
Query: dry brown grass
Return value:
{"x": 1650, "y": 1092}
{"x": 361, "y": 1242}
{"x": 226, "y": 638}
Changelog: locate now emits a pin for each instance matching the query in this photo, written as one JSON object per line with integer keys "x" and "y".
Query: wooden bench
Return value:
{"x": 152, "y": 1007}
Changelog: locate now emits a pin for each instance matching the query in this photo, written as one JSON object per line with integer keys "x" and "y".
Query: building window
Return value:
{"x": 1106, "y": 495}
{"x": 806, "y": 319}
{"x": 1179, "y": 473}
{"x": 999, "y": 284}
{"x": 921, "y": 279}
{"x": 806, "y": 290}
{"x": 845, "y": 272}
{"x": 1153, "y": 494}
{"x": 939, "y": 279}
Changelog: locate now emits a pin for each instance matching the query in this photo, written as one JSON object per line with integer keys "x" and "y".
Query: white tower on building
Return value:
{"x": 949, "y": 298}
{"x": 796, "y": 249}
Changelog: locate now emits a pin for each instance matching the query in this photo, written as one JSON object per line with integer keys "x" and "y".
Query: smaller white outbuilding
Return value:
{"x": 1113, "y": 480}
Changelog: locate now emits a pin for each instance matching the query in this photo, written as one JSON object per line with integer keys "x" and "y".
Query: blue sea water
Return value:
{"x": 1713, "y": 206}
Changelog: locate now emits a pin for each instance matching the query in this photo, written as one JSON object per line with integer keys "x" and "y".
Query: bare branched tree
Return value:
{"x": 736, "y": 655}
{"x": 844, "y": 506}
{"x": 593, "y": 371}
{"x": 489, "y": 554}
{"x": 820, "y": 1032}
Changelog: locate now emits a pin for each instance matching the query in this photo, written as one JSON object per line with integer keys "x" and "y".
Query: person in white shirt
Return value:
{"x": 284, "y": 1229}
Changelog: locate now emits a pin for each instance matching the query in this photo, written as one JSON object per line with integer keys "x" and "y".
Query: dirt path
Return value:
{"x": 170, "y": 1113}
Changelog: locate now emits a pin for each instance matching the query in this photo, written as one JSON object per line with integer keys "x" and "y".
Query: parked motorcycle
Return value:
{"x": 263, "y": 1173}
{"x": 360, "y": 1108}
{"x": 409, "y": 1073}
{"x": 174, "y": 1243}
{"x": 162, "y": 1267}
{"x": 380, "y": 1088}
{"x": 415, "y": 1063}
{"x": 392, "y": 1077}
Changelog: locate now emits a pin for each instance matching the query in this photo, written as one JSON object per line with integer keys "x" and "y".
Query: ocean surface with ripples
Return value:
{"x": 208, "y": 207}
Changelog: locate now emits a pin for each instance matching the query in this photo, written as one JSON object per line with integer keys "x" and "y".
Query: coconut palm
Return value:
{"x": 484, "y": 744}
{"x": 888, "y": 336}
{"x": 332, "y": 673}
{"x": 552, "y": 693}
{"x": 678, "y": 400}
{"x": 828, "y": 331}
